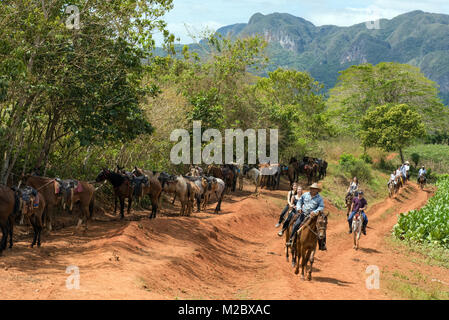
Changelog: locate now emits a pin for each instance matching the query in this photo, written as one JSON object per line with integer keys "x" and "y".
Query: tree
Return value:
{"x": 77, "y": 86}
{"x": 391, "y": 127}
{"x": 292, "y": 101}
{"x": 364, "y": 86}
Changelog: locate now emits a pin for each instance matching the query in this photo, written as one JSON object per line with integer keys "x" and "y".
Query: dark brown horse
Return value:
{"x": 123, "y": 189}
{"x": 9, "y": 206}
{"x": 313, "y": 230}
{"x": 34, "y": 214}
{"x": 153, "y": 188}
{"x": 288, "y": 232}
{"x": 422, "y": 181}
{"x": 348, "y": 201}
{"x": 49, "y": 188}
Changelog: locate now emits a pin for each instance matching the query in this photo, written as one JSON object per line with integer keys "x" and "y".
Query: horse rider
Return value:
{"x": 309, "y": 202}
{"x": 422, "y": 172}
{"x": 407, "y": 169}
{"x": 392, "y": 178}
{"x": 353, "y": 187}
{"x": 359, "y": 205}
{"x": 398, "y": 173}
{"x": 404, "y": 172}
{"x": 289, "y": 205}
{"x": 293, "y": 211}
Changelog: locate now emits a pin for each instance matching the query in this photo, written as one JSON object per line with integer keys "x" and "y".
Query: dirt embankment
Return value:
{"x": 234, "y": 255}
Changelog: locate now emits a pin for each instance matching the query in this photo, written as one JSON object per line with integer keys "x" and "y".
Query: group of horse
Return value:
{"x": 37, "y": 201}
{"x": 395, "y": 185}
{"x": 314, "y": 169}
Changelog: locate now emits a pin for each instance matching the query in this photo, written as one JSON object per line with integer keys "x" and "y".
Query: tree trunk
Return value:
{"x": 402, "y": 155}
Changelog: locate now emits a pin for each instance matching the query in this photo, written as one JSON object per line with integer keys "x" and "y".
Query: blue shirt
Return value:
{"x": 422, "y": 171}
{"x": 308, "y": 204}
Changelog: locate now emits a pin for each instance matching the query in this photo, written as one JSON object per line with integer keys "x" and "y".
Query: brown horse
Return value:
{"x": 314, "y": 229}
{"x": 348, "y": 201}
{"x": 182, "y": 188}
{"x": 288, "y": 232}
{"x": 214, "y": 172}
{"x": 9, "y": 206}
{"x": 422, "y": 181}
{"x": 123, "y": 189}
{"x": 153, "y": 188}
{"x": 34, "y": 215}
{"x": 49, "y": 188}
{"x": 84, "y": 194}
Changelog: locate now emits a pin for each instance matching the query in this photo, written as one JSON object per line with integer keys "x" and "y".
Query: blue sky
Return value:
{"x": 194, "y": 16}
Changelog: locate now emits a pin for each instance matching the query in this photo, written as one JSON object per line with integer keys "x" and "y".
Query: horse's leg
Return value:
{"x": 122, "y": 208}
{"x": 311, "y": 259}
{"x": 33, "y": 223}
{"x": 11, "y": 230}
{"x": 298, "y": 254}
{"x": 50, "y": 209}
{"x": 130, "y": 201}
{"x": 115, "y": 204}
{"x": 39, "y": 230}
{"x": 174, "y": 198}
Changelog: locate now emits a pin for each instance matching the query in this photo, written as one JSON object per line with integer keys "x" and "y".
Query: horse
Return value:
{"x": 254, "y": 175}
{"x": 28, "y": 198}
{"x": 391, "y": 188}
{"x": 214, "y": 172}
{"x": 313, "y": 229}
{"x": 123, "y": 189}
{"x": 9, "y": 207}
{"x": 357, "y": 223}
{"x": 183, "y": 190}
{"x": 322, "y": 172}
{"x": 348, "y": 202}
{"x": 422, "y": 181}
{"x": 153, "y": 188}
{"x": 292, "y": 172}
{"x": 293, "y": 247}
{"x": 308, "y": 170}
{"x": 50, "y": 190}
{"x": 198, "y": 187}
{"x": 84, "y": 194}
{"x": 398, "y": 184}
{"x": 228, "y": 177}
{"x": 215, "y": 186}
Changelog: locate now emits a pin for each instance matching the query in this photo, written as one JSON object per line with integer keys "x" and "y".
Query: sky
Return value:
{"x": 194, "y": 16}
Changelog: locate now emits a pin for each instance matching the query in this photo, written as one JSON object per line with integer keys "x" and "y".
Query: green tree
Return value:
{"x": 364, "y": 86}
{"x": 74, "y": 86}
{"x": 391, "y": 127}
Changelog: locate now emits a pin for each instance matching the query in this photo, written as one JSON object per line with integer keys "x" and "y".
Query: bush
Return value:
{"x": 415, "y": 159}
{"x": 386, "y": 165}
{"x": 355, "y": 167}
{"x": 367, "y": 158}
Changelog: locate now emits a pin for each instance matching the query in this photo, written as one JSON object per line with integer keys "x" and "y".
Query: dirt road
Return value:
{"x": 235, "y": 255}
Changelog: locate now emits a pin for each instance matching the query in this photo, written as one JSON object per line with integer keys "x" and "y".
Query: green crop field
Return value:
{"x": 430, "y": 224}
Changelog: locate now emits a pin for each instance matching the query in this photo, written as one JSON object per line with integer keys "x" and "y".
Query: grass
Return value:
{"x": 433, "y": 156}
{"x": 430, "y": 255}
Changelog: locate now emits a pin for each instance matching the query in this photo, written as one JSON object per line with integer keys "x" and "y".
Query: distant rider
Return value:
{"x": 289, "y": 205}
{"x": 293, "y": 211}
{"x": 359, "y": 204}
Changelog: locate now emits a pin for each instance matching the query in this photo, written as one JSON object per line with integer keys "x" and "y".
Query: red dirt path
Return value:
{"x": 235, "y": 255}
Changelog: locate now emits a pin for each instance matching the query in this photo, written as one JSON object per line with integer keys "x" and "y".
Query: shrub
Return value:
{"x": 367, "y": 158}
{"x": 355, "y": 167}
{"x": 415, "y": 158}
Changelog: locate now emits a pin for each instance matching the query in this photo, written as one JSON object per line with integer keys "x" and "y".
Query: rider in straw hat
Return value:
{"x": 310, "y": 202}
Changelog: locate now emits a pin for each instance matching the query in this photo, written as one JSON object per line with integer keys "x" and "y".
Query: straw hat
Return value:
{"x": 315, "y": 186}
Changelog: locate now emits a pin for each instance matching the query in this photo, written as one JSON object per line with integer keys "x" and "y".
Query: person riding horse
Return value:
{"x": 353, "y": 187}
{"x": 422, "y": 172}
{"x": 292, "y": 205}
{"x": 289, "y": 205}
{"x": 359, "y": 205}
{"x": 308, "y": 203}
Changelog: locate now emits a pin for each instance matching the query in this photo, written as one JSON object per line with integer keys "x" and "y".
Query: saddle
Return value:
{"x": 137, "y": 183}
{"x": 66, "y": 186}
{"x": 28, "y": 198}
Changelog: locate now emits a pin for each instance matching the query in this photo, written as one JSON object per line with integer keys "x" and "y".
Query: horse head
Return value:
{"x": 321, "y": 225}
{"x": 103, "y": 175}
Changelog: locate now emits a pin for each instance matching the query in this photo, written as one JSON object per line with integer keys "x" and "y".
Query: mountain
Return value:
{"x": 417, "y": 38}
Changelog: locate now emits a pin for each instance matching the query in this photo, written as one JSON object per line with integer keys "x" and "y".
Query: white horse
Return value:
{"x": 254, "y": 175}
{"x": 357, "y": 223}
